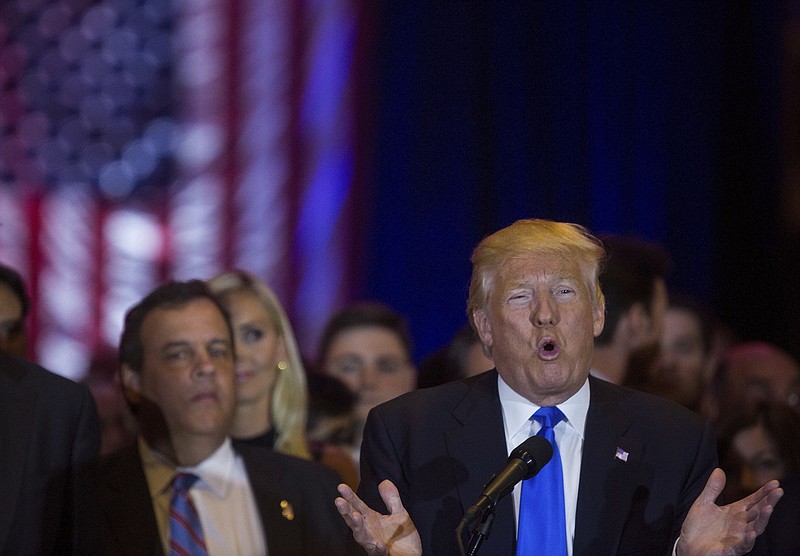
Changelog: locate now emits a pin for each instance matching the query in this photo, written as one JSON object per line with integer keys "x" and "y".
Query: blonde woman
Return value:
{"x": 272, "y": 399}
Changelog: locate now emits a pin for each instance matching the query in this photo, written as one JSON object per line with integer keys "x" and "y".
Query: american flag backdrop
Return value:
{"x": 142, "y": 140}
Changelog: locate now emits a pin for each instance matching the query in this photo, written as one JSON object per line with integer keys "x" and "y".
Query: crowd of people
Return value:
{"x": 357, "y": 449}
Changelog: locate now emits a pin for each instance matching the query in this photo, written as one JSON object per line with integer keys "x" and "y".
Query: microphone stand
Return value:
{"x": 481, "y": 532}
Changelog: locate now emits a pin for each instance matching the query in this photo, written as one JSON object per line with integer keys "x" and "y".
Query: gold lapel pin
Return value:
{"x": 287, "y": 510}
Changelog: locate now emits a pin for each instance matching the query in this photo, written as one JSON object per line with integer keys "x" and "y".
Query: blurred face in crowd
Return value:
{"x": 259, "y": 348}
{"x": 763, "y": 374}
{"x": 540, "y": 321}
{"x": 759, "y": 457}
{"x": 684, "y": 365}
{"x": 187, "y": 370}
{"x": 12, "y": 328}
{"x": 373, "y": 363}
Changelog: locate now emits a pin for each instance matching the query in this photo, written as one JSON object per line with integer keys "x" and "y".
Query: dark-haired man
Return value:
{"x": 48, "y": 425}
{"x": 14, "y": 305}
{"x": 177, "y": 369}
{"x": 633, "y": 277}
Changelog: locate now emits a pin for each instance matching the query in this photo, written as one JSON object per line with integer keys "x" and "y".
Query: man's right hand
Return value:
{"x": 380, "y": 535}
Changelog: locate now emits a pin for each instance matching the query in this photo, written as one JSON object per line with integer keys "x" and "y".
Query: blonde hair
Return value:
{"x": 289, "y": 398}
{"x": 533, "y": 236}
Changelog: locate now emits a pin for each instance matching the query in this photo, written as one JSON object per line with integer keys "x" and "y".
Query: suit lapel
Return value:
{"x": 479, "y": 443}
{"x": 128, "y": 507}
{"x": 280, "y": 525}
{"x": 608, "y": 472}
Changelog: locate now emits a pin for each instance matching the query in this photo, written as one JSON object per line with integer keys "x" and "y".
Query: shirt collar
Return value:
{"x": 214, "y": 473}
{"x": 517, "y": 410}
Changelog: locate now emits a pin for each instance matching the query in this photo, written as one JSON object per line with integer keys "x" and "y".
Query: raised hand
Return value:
{"x": 730, "y": 530}
{"x": 380, "y": 535}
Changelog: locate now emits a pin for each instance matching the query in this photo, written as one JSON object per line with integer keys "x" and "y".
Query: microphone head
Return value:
{"x": 535, "y": 452}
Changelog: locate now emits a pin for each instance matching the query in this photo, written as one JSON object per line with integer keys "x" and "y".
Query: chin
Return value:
{"x": 213, "y": 427}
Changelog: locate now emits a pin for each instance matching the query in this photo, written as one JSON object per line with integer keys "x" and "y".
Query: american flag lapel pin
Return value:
{"x": 621, "y": 454}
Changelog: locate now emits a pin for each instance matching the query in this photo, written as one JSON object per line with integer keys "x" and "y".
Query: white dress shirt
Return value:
{"x": 517, "y": 412}
{"x": 222, "y": 496}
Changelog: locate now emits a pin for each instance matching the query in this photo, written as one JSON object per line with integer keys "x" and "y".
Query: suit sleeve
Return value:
{"x": 379, "y": 461}
{"x": 701, "y": 468}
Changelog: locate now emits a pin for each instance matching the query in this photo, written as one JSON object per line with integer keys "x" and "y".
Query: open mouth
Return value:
{"x": 548, "y": 350}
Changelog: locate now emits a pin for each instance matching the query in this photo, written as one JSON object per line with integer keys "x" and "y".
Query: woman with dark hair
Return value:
{"x": 758, "y": 445}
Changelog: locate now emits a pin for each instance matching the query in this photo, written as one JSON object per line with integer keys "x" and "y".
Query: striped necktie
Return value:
{"x": 185, "y": 532}
{"x": 542, "y": 523}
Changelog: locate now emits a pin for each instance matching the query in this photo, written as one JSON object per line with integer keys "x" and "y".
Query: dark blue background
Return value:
{"x": 660, "y": 119}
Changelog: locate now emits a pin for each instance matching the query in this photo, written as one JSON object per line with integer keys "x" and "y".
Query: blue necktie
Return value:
{"x": 185, "y": 532}
{"x": 542, "y": 524}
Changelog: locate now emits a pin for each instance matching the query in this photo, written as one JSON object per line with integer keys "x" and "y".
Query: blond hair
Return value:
{"x": 289, "y": 397}
{"x": 533, "y": 236}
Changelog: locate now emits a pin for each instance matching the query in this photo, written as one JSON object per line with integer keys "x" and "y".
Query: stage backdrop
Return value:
{"x": 349, "y": 149}
{"x": 676, "y": 121}
{"x": 144, "y": 140}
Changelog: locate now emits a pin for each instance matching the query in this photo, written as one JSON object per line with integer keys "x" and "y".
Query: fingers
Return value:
{"x": 764, "y": 494}
{"x": 391, "y": 497}
{"x": 765, "y": 507}
{"x": 356, "y": 521}
{"x": 353, "y": 518}
{"x": 352, "y": 499}
{"x": 343, "y": 505}
{"x": 714, "y": 486}
{"x": 346, "y": 492}
{"x": 760, "y": 522}
{"x": 774, "y": 496}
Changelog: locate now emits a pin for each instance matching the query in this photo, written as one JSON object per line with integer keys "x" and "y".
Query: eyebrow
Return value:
{"x": 569, "y": 277}
{"x": 187, "y": 343}
{"x": 175, "y": 344}
{"x": 559, "y": 277}
{"x": 348, "y": 355}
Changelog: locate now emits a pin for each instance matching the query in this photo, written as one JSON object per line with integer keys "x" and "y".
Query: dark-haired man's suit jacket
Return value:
{"x": 47, "y": 425}
{"x": 441, "y": 445}
{"x": 119, "y": 516}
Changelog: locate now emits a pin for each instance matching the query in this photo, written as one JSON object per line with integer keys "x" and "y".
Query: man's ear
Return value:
{"x": 131, "y": 384}
{"x": 599, "y": 319}
{"x": 484, "y": 328}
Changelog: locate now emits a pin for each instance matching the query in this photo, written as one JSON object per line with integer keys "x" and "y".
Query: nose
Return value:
{"x": 368, "y": 376}
{"x": 204, "y": 363}
{"x": 545, "y": 313}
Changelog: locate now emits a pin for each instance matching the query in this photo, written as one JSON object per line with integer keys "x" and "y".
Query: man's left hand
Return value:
{"x": 730, "y": 530}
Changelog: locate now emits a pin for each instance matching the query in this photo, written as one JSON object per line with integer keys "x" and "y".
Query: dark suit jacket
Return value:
{"x": 782, "y": 535}
{"x": 441, "y": 445}
{"x": 47, "y": 424}
{"x": 118, "y": 516}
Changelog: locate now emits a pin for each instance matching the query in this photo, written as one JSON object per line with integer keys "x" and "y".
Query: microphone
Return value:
{"x": 525, "y": 461}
